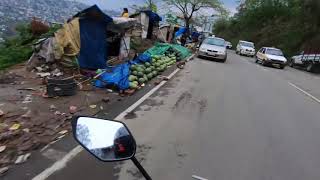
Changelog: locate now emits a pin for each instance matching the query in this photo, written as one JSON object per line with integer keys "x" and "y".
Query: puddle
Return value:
{"x": 131, "y": 115}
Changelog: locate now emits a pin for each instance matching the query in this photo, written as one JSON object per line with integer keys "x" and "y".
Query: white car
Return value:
{"x": 271, "y": 56}
{"x": 213, "y": 47}
{"x": 229, "y": 45}
{"x": 246, "y": 48}
{"x": 310, "y": 60}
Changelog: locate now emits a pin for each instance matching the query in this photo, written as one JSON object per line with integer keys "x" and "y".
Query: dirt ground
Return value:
{"x": 30, "y": 121}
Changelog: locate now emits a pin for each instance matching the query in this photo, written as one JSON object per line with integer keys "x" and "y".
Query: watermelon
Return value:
{"x": 141, "y": 80}
{"x": 140, "y": 69}
{"x": 140, "y": 74}
{"x": 135, "y": 73}
{"x": 133, "y": 85}
{"x": 154, "y": 73}
{"x": 133, "y": 67}
{"x": 150, "y": 76}
{"x": 132, "y": 78}
{"x": 148, "y": 70}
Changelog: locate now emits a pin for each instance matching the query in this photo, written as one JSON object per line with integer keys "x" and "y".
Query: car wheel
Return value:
{"x": 257, "y": 61}
{"x": 224, "y": 60}
{"x": 282, "y": 66}
{"x": 310, "y": 67}
{"x": 291, "y": 64}
{"x": 263, "y": 63}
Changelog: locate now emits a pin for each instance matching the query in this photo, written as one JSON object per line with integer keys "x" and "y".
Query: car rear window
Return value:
{"x": 275, "y": 52}
{"x": 215, "y": 41}
{"x": 247, "y": 44}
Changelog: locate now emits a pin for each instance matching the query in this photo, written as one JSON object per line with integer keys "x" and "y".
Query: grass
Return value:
{"x": 18, "y": 49}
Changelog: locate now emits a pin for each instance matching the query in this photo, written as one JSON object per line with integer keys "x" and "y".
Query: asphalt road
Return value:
{"x": 232, "y": 121}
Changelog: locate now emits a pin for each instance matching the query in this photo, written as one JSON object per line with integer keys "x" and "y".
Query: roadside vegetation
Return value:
{"x": 291, "y": 25}
{"x": 18, "y": 49}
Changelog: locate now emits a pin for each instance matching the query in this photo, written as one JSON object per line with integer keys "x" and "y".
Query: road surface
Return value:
{"x": 232, "y": 121}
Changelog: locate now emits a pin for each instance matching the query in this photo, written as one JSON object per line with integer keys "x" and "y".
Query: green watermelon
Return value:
{"x": 133, "y": 85}
{"x": 133, "y": 67}
{"x": 135, "y": 73}
{"x": 150, "y": 76}
{"x": 132, "y": 78}
{"x": 141, "y": 80}
{"x": 148, "y": 70}
{"x": 140, "y": 74}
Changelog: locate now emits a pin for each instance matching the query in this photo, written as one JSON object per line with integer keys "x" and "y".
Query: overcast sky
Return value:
{"x": 119, "y": 4}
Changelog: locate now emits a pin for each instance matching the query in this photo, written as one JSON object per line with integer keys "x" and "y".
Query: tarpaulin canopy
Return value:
{"x": 93, "y": 51}
{"x": 152, "y": 16}
{"x": 95, "y": 13}
{"x": 68, "y": 39}
{"x": 181, "y": 31}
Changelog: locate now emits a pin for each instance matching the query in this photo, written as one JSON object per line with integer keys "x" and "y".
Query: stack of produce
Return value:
{"x": 175, "y": 53}
{"x": 142, "y": 73}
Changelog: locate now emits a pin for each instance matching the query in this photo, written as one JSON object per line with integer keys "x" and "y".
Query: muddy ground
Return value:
{"x": 29, "y": 120}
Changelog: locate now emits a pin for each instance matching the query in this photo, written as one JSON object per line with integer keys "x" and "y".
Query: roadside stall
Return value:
{"x": 148, "y": 24}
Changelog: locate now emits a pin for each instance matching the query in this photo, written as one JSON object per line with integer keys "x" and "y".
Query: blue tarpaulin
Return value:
{"x": 143, "y": 58}
{"x": 118, "y": 76}
{"x": 153, "y": 16}
{"x": 93, "y": 51}
{"x": 180, "y": 31}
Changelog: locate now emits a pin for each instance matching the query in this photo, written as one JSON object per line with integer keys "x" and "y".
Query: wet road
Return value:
{"x": 233, "y": 121}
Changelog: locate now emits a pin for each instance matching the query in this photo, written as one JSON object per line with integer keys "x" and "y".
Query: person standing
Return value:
{"x": 125, "y": 13}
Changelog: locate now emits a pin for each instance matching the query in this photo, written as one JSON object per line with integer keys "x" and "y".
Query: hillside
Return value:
{"x": 13, "y": 12}
{"x": 291, "y": 25}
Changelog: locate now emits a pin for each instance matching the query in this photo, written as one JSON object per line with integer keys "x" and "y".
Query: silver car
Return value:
{"x": 213, "y": 47}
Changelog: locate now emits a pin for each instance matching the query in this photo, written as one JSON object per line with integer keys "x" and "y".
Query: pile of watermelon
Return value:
{"x": 142, "y": 73}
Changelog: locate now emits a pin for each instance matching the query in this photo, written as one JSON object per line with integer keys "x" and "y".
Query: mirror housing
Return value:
{"x": 107, "y": 140}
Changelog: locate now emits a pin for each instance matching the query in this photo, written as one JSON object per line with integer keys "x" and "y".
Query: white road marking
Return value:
{"x": 198, "y": 177}
{"x": 304, "y": 92}
{"x": 60, "y": 164}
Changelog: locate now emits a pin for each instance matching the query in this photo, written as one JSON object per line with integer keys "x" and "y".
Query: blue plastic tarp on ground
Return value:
{"x": 93, "y": 51}
{"x": 118, "y": 76}
{"x": 143, "y": 58}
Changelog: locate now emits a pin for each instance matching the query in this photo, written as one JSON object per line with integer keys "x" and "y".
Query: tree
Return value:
{"x": 189, "y": 7}
{"x": 148, "y": 4}
{"x": 171, "y": 19}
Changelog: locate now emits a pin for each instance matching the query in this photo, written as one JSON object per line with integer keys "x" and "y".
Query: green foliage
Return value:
{"x": 171, "y": 19}
{"x": 286, "y": 24}
{"x": 189, "y": 7}
{"x": 18, "y": 49}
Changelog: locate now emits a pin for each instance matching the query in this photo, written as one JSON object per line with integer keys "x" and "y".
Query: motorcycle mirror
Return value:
{"x": 107, "y": 140}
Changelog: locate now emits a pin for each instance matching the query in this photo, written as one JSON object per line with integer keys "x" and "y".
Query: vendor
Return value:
{"x": 125, "y": 13}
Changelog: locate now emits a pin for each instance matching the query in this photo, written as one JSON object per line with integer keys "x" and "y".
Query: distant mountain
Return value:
{"x": 15, "y": 11}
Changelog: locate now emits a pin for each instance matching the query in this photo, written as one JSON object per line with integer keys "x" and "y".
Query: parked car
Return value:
{"x": 271, "y": 56}
{"x": 213, "y": 47}
{"x": 229, "y": 45}
{"x": 309, "y": 60}
{"x": 246, "y": 48}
